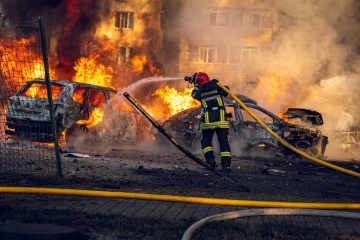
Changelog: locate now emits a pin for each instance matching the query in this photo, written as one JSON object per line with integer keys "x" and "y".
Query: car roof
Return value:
{"x": 242, "y": 98}
{"x": 76, "y": 84}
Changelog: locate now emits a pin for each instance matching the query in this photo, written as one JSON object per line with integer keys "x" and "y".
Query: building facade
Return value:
{"x": 223, "y": 38}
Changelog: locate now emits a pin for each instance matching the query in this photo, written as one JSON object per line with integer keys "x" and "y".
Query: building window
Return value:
{"x": 218, "y": 18}
{"x": 207, "y": 54}
{"x": 222, "y": 54}
{"x": 249, "y": 54}
{"x": 124, "y": 20}
{"x": 121, "y": 0}
{"x": 124, "y": 55}
{"x": 237, "y": 19}
{"x": 251, "y": 18}
{"x": 242, "y": 54}
{"x": 192, "y": 53}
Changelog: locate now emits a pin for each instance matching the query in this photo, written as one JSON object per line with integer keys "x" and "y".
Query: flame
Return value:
{"x": 40, "y": 91}
{"x": 176, "y": 101}
{"x": 96, "y": 116}
{"x": 138, "y": 63}
{"x": 19, "y": 62}
{"x": 273, "y": 87}
{"x": 90, "y": 70}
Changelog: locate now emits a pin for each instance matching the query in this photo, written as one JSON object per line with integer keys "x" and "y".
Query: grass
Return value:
{"x": 111, "y": 227}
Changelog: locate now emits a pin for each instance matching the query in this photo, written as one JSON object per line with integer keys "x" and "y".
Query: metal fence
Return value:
{"x": 22, "y": 58}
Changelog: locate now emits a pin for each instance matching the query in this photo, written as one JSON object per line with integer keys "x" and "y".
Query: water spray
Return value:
{"x": 149, "y": 80}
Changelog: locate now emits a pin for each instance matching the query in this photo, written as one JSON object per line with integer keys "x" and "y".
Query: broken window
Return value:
{"x": 79, "y": 95}
{"x": 124, "y": 20}
{"x": 38, "y": 90}
{"x": 219, "y": 18}
{"x": 96, "y": 98}
{"x": 124, "y": 55}
{"x": 261, "y": 115}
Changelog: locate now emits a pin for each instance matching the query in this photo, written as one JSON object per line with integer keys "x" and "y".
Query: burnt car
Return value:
{"x": 247, "y": 137}
{"x": 74, "y": 104}
{"x": 349, "y": 139}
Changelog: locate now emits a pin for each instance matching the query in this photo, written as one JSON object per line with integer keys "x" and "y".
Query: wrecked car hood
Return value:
{"x": 304, "y": 115}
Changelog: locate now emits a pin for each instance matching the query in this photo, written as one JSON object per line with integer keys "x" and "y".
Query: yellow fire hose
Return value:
{"x": 282, "y": 141}
{"x": 184, "y": 199}
{"x": 198, "y": 200}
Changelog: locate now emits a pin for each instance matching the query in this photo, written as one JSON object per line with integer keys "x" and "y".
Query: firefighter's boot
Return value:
{"x": 210, "y": 159}
{"x": 226, "y": 164}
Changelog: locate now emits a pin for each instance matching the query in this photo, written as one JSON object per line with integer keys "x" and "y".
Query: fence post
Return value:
{"x": 47, "y": 78}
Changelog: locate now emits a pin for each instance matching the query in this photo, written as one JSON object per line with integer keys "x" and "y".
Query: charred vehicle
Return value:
{"x": 247, "y": 137}
{"x": 75, "y": 104}
{"x": 349, "y": 140}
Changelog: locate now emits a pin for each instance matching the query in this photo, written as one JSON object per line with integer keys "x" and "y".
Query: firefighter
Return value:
{"x": 214, "y": 119}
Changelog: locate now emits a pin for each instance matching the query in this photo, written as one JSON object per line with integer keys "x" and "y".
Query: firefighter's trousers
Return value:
{"x": 206, "y": 144}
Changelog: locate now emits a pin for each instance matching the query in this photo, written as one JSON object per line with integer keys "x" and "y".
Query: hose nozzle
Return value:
{"x": 190, "y": 79}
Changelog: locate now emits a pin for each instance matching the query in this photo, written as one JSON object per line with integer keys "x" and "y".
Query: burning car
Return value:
{"x": 78, "y": 108}
{"x": 247, "y": 137}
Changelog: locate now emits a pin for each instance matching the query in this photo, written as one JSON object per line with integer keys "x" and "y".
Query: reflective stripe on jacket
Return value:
{"x": 210, "y": 96}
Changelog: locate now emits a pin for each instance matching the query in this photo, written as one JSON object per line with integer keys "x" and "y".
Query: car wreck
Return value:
{"x": 247, "y": 136}
{"x": 75, "y": 105}
{"x": 349, "y": 140}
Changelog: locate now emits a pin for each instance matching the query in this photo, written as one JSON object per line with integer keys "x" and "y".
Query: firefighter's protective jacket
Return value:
{"x": 211, "y": 97}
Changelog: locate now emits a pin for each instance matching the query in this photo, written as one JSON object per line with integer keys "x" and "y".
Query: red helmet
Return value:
{"x": 201, "y": 78}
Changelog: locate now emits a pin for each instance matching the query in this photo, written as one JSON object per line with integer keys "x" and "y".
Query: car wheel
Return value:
{"x": 302, "y": 144}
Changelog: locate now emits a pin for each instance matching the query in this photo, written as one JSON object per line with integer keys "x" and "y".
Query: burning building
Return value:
{"x": 277, "y": 52}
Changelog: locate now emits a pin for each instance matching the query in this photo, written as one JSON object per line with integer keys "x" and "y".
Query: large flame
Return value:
{"x": 176, "y": 101}
{"x": 96, "y": 117}
{"x": 20, "y": 62}
{"x": 91, "y": 70}
{"x": 273, "y": 87}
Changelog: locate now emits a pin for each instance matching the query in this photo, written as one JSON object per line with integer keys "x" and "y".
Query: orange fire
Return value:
{"x": 95, "y": 118}
{"x": 19, "y": 62}
{"x": 176, "y": 101}
{"x": 90, "y": 70}
{"x": 138, "y": 63}
{"x": 40, "y": 91}
{"x": 273, "y": 87}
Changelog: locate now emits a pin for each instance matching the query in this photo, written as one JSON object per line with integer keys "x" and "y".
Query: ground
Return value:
{"x": 166, "y": 170}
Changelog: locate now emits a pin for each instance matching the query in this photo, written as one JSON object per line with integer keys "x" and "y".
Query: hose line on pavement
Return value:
{"x": 282, "y": 141}
{"x": 183, "y": 199}
{"x": 265, "y": 212}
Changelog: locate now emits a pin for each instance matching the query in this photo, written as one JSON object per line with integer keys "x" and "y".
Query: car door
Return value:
{"x": 254, "y": 133}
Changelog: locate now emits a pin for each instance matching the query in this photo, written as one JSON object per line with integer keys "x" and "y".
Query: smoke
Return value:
{"x": 314, "y": 40}
{"x": 316, "y": 46}
{"x": 312, "y": 62}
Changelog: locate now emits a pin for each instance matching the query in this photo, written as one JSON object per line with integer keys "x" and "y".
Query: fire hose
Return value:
{"x": 265, "y": 212}
{"x": 177, "y": 145}
{"x": 282, "y": 141}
